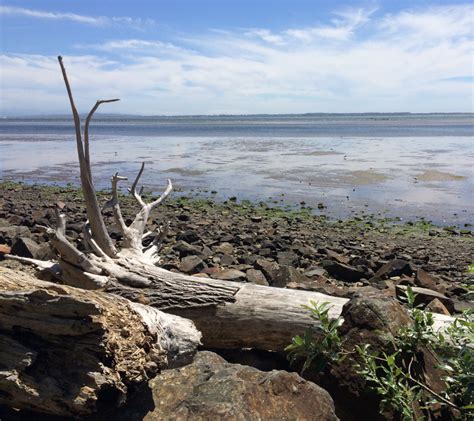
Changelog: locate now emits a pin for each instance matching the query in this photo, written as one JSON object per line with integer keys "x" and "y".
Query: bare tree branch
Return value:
{"x": 133, "y": 190}
{"x": 41, "y": 264}
{"x": 165, "y": 194}
{"x": 86, "y": 131}
{"x": 115, "y": 204}
{"x": 94, "y": 215}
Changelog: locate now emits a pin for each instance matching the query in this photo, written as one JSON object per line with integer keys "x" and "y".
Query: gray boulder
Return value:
{"x": 212, "y": 389}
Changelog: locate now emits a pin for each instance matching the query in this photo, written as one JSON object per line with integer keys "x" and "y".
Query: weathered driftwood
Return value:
{"x": 229, "y": 314}
{"x": 71, "y": 352}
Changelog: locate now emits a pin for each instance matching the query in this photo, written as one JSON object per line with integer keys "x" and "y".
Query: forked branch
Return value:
{"x": 98, "y": 228}
{"x": 86, "y": 131}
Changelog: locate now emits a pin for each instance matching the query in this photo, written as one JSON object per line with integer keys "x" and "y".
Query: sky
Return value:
{"x": 185, "y": 57}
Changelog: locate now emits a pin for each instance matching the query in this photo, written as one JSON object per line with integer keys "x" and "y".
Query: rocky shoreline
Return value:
{"x": 268, "y": 245}
{"x": 369, "y": 261}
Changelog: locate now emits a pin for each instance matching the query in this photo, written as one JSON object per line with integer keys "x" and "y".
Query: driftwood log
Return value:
{"x": 229, "y": 314}
{"x": 71, "y": 352}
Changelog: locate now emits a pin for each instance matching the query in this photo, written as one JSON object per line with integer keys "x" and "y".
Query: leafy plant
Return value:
{"x": 390, "y": 375}
{"x": 421, "y": 332}
{"x": 455, "y": 347}
{"x": 470, "y": 268}
{"x": 391, "y": 382}
{"x": 327, "y": 348}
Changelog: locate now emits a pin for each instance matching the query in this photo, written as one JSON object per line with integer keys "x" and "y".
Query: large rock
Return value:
{"x": 212, "y": 389}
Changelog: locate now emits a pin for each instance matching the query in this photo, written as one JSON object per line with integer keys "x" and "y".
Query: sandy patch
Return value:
{"x": 433, "y": 175}
{"x": 185, "y": 172}
{"x": 362, "y": 177}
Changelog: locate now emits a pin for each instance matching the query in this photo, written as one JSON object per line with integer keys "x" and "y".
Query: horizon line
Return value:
{"x": 111, "y": 115}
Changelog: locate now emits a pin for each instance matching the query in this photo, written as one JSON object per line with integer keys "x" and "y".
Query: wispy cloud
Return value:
{"x": 84, "y": 19}
{"x": 433, "y": 23}
{"x": 136, "y": 46}
{"x": 266, "y": 36}
{"x": 342, "y": 27}
{"x": 375, "y": 63}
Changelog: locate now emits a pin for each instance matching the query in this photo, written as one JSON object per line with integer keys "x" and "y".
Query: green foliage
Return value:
{"x": 455, "y": 346}
{"x": 390, "y": 380}
{"x": 421, "y": 333}
{"x": 327, "y": 347}
{"x": 391, "y": 375}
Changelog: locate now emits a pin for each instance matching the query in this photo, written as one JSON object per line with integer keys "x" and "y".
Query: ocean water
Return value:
{"x": 404, "y": 165}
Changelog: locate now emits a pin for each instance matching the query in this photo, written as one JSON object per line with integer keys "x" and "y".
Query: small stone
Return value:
{"x": 285, "y": 275}
{"x": 191, "y": 264}
{"x": 337, "y": 257}
{"x": 256, "y": 276}
{"x": 343, "y": 272}
{"x": 395, "y": 267}
{"x": 461, "y": 306}
{"x": 268, "y": 268}
{"x": 186, "y": 249}
{"x": 15, "y": 231}
{"x": 229, "y": 275}
{"x": 315, "y": 271}
{"x": 224, "y": 248}
{"x": 256, "y": 219}
{"x": 424, "y": 296}
{"x": 188, "y": 236}
{"x": 26, "y": 247}
{"x": 265, "y": 252}
{"x": 201, "y": 275}
{"x": 287, "y": 258}
{"x": 424, "y": 280}
{"x": 436, "y": 306}
{"x": 227, "y": 260}
{"x": 4, "y": 249}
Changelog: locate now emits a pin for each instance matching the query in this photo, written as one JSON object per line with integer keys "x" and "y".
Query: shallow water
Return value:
{"x": 405, "y": 166}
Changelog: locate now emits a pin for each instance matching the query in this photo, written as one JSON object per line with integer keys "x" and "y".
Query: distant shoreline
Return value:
{"x": 178, "y": 116}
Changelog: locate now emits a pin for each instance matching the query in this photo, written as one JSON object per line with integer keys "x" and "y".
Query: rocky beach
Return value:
{"x": 267, "y": 245}
{"x": 366, "y": 260}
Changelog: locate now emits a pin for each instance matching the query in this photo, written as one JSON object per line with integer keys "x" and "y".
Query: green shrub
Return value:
{"x": 391, "y": 375}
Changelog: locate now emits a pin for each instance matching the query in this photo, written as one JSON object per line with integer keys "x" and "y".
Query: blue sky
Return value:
{"x": 238, "y": 57}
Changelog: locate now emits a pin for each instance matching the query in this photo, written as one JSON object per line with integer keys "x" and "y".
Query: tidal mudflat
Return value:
{"x": 401, "y": 166}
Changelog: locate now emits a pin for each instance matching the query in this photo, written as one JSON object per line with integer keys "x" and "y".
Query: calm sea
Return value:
{"x": 407, "y": 165}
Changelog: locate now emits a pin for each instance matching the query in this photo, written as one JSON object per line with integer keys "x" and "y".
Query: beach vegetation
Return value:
{"x": 391, "y": 375}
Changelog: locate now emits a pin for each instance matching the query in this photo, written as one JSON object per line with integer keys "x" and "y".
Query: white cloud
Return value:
{"x": 266, "y": 36}
{"x": 137, "y": 47}
{"x": 89, "y": 20}
{"x": 383, "y": 69}
{"x": 438, "y": 22}
{"x": 341, "y": 29}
